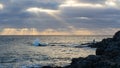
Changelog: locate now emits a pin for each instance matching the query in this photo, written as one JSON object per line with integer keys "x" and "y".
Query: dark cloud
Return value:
{"x": 23, "y": 4}
{"x": 105, "y": 17}
{"x": 14, "y": 15}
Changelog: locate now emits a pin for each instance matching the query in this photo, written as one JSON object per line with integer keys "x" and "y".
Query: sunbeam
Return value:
{"x": 61, "y": 20}
{"x": 52, "y": 13}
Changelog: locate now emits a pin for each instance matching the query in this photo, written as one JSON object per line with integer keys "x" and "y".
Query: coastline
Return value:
{"x": 107, "y": 55}
{"x": 30, "y": 53}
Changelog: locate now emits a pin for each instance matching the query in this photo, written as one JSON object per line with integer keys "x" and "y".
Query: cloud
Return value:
{"x": 74, "y": 3}
{"x": 37, "y": 10}
{"x": 112, "y": 3}
{"x": 103, "y": 2}
{"x": 60, "y": 16}
{"x": 1, "y": 6}
{"x": 48, "y": 4}
{"x": 91, "y": 17}
{"x": 83, "y": 18}
{"x": 92, "y": 1}
{"x": 80, "y": 15}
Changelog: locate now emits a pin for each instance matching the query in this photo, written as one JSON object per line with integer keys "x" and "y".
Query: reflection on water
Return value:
{"x": 17, "y": 51}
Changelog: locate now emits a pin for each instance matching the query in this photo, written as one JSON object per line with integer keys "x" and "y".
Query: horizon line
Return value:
{"x": 53, "y": 35}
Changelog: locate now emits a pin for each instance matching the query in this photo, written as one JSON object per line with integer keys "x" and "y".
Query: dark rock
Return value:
{"x": 87, "y": 62}
{"x": 116, "y": 37}
{"x": 53, "y": 45}
{"x": 93, "y": 58}
{"x": 104, "y": 64}
{"x": 76, "y": 60}
{"x": 104, "y": 43}
{"x": 50, "y": 67}
{"x": 80, "y": 46}
{"x": 99, "y": 51}
{"x": 47, "y": 67}
{"x": 107, "y": 55}
{"x": 111, "y": 50}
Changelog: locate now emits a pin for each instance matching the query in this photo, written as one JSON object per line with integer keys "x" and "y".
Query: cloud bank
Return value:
{"x": 62, "y": 16}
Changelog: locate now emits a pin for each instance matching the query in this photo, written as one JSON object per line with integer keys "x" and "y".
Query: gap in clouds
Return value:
{"x": 1, "y": 6}
{"x": 33, "y": 31}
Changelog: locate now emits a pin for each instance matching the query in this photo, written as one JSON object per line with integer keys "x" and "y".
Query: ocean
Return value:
{"x": 18, "y": 51}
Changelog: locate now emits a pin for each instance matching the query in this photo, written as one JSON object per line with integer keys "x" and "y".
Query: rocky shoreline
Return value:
{"x": 107, "y": 55}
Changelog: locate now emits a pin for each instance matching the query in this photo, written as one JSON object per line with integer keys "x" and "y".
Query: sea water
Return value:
{"x": 18, "y": 51}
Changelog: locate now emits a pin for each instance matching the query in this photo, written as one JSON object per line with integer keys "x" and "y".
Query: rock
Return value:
{"x": 99, "y": 51}
{"x": 52, "y": 45}
{"x": 75, "y": 60}
{"x": 104, "y": 64}
{"x": 110, "y": 49}
{"x": 107, "y": 55}
{"x": 116, "y": 37}
{"x": 93, "y": 58}
{"x": 50, "y": 67}
{"x": 104, "y": 43}
{"x": 87, "y": 62}
{"x": 38, "y": 43}
{"x": 47, "y": 67}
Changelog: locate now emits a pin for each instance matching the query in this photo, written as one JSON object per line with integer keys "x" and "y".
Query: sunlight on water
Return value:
{"x": 17, "y": 51}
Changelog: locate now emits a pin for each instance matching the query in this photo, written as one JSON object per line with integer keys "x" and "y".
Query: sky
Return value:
{"x": 59, "y": 17}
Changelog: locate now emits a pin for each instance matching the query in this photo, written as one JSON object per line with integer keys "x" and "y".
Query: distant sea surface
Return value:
{"x": 18, "y": 51}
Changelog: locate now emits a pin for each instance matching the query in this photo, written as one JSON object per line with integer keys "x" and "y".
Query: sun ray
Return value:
{"x": 61, "y": 20}
{"x": 52, "y": 13}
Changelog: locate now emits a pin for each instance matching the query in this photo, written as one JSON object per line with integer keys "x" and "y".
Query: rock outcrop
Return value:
{"x": 116, "y": 37}
{"x": 107, "y": 55}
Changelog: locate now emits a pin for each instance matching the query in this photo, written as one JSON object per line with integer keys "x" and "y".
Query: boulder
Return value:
{"x": 87, "y": 62}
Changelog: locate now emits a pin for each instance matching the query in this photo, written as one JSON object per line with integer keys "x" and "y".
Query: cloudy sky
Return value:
{"x": 59, "y": 17}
